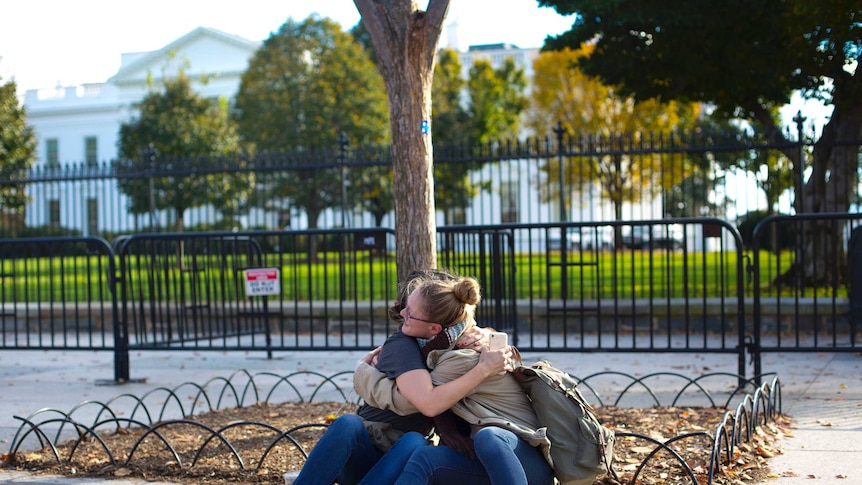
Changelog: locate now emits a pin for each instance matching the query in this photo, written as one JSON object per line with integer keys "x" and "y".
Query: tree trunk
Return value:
{"x": 406, "y": 40}
{"x": 820, "y": 251}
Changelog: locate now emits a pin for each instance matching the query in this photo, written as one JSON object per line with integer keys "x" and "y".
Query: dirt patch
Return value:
{"x": 263, "y": 458}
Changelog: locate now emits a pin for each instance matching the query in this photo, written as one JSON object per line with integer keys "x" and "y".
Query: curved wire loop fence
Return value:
{"x": 697, "y": 457}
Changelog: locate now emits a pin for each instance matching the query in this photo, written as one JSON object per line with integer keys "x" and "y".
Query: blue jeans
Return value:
{"x": 389, "y": 468}
{"x": 503, "y": 459}
{"x": 345, "y": 453}
{"x": 511, "y": 460}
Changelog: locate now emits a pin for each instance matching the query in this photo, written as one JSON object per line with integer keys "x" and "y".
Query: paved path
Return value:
{"x": 822, "y": 392}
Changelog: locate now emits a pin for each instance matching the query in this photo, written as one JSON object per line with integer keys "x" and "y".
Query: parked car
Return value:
{"x": 659, "y": 236}
{"x": 589, "y": 238}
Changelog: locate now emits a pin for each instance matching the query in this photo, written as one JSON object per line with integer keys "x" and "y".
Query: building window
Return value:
{"x": 54, "y": 212}
{"x": 52, "y": 153}
{"x": 509, "y": 202}
{"x": 92, "y": 216}
{"x": 91, "y": 151}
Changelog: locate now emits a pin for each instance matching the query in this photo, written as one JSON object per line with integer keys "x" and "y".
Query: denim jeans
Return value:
{"x": 503, "y": 459}
{"x": 345, "y": 453}
{"x": 387, "y": 470}
{"x": 511, "y": 460}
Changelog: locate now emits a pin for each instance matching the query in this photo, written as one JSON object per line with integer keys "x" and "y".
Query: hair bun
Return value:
{"x": 467, "y": 290}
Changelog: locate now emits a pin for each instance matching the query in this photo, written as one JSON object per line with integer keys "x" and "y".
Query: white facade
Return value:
{"x": 80, "y": 124}
{"x": 71, "y": 123}
{"x": 70, "y": 114}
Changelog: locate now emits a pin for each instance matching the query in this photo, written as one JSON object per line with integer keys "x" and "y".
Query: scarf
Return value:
{"x": 443, "y": 340}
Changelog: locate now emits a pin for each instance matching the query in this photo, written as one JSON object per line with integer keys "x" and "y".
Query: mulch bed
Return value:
{"x": 151, "y": 460}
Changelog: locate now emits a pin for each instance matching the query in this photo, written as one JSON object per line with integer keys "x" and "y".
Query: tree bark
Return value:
{"x": 829, "y": 189}
{"x": 820, "y": 250}
{"x": 406, "y": 40}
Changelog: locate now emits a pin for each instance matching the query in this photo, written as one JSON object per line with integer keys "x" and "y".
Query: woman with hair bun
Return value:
{"x": 509, "y": 447}
{"x": 354, "y": 444}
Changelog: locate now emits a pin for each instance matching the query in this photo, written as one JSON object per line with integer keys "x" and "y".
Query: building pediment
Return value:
{"x": 202, "y": 52}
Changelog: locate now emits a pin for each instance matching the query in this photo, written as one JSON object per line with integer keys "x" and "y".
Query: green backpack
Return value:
{"x": 581, "y": 447}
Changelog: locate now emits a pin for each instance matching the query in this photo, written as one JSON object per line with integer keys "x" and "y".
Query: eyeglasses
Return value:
{"x": 408, "y": 316}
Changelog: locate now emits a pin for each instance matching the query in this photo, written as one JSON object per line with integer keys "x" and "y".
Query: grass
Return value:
{"x": 363, "y": 276}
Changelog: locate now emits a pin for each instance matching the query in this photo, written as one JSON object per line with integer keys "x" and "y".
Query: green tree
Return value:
{"x": 406, "y": 40}
{"x": 360, "y": 34}
{"x": 583, "y": 107}
{"x": 17, "y": 151}
{"x": 307, "y": 86}
{"x": 745, "y": 58}
{"x": 450, "y": 131}
{"x": 183, "y": 142}
{"x": 372, "y": 182}
{"x": 698, "y": 193}
{"x": 495, "y": 100}
{"x": 448, "y": 114}
{"x": 771, "y": 169}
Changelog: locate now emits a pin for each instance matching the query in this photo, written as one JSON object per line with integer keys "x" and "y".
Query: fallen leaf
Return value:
{"x": 765, "y": 452}
{"x": 641, "y": 449}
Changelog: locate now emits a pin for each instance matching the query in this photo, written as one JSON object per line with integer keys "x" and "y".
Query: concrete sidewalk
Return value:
{"x": 822, "y": 392}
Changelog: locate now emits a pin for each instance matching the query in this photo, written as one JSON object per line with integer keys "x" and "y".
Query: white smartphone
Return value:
{"x": 498, "y": 340}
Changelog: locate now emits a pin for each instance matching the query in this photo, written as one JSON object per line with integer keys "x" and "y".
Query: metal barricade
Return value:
{"x": 805, "y": 270}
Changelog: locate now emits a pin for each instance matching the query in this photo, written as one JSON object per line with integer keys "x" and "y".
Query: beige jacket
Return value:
{"x": 498, "y": 401}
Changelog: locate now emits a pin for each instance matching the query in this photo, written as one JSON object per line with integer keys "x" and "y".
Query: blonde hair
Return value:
{"x": 414, "y": 280}
{"x": 451, "y": 301}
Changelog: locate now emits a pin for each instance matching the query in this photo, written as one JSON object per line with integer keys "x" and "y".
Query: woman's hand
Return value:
{"x": 495, "y": 361}
{"x": 473, "y": 338}
{"x": 371, "y": 357}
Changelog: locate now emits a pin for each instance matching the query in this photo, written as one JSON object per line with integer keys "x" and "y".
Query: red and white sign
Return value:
{"x": 262, "y": 281}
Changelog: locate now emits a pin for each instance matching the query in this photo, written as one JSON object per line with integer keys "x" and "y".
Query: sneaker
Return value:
{"x": 289, "y": 477}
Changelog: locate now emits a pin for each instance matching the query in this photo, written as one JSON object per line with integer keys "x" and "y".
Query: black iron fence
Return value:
{"x": 58, "y": 293}
{"x": 559, "y": 179}
{"x": 809, "y": 292}
{"x": 92, "y": 434}
{"x": 671, "y": 286}
{"x": 618, "y": 244}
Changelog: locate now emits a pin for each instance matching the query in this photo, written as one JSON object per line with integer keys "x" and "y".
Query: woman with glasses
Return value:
{"x": 509, "y": 446}
{"x": 353, "y": 445}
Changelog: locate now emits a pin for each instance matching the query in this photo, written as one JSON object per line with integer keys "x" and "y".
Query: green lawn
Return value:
{"x": 361, "y": 276}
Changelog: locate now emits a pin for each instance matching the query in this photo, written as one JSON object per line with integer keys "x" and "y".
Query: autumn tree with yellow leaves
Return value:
{"x": 593, "y": 115}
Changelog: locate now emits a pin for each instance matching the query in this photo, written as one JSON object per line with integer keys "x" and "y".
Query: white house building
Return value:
{"x": 80, "y": 125}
